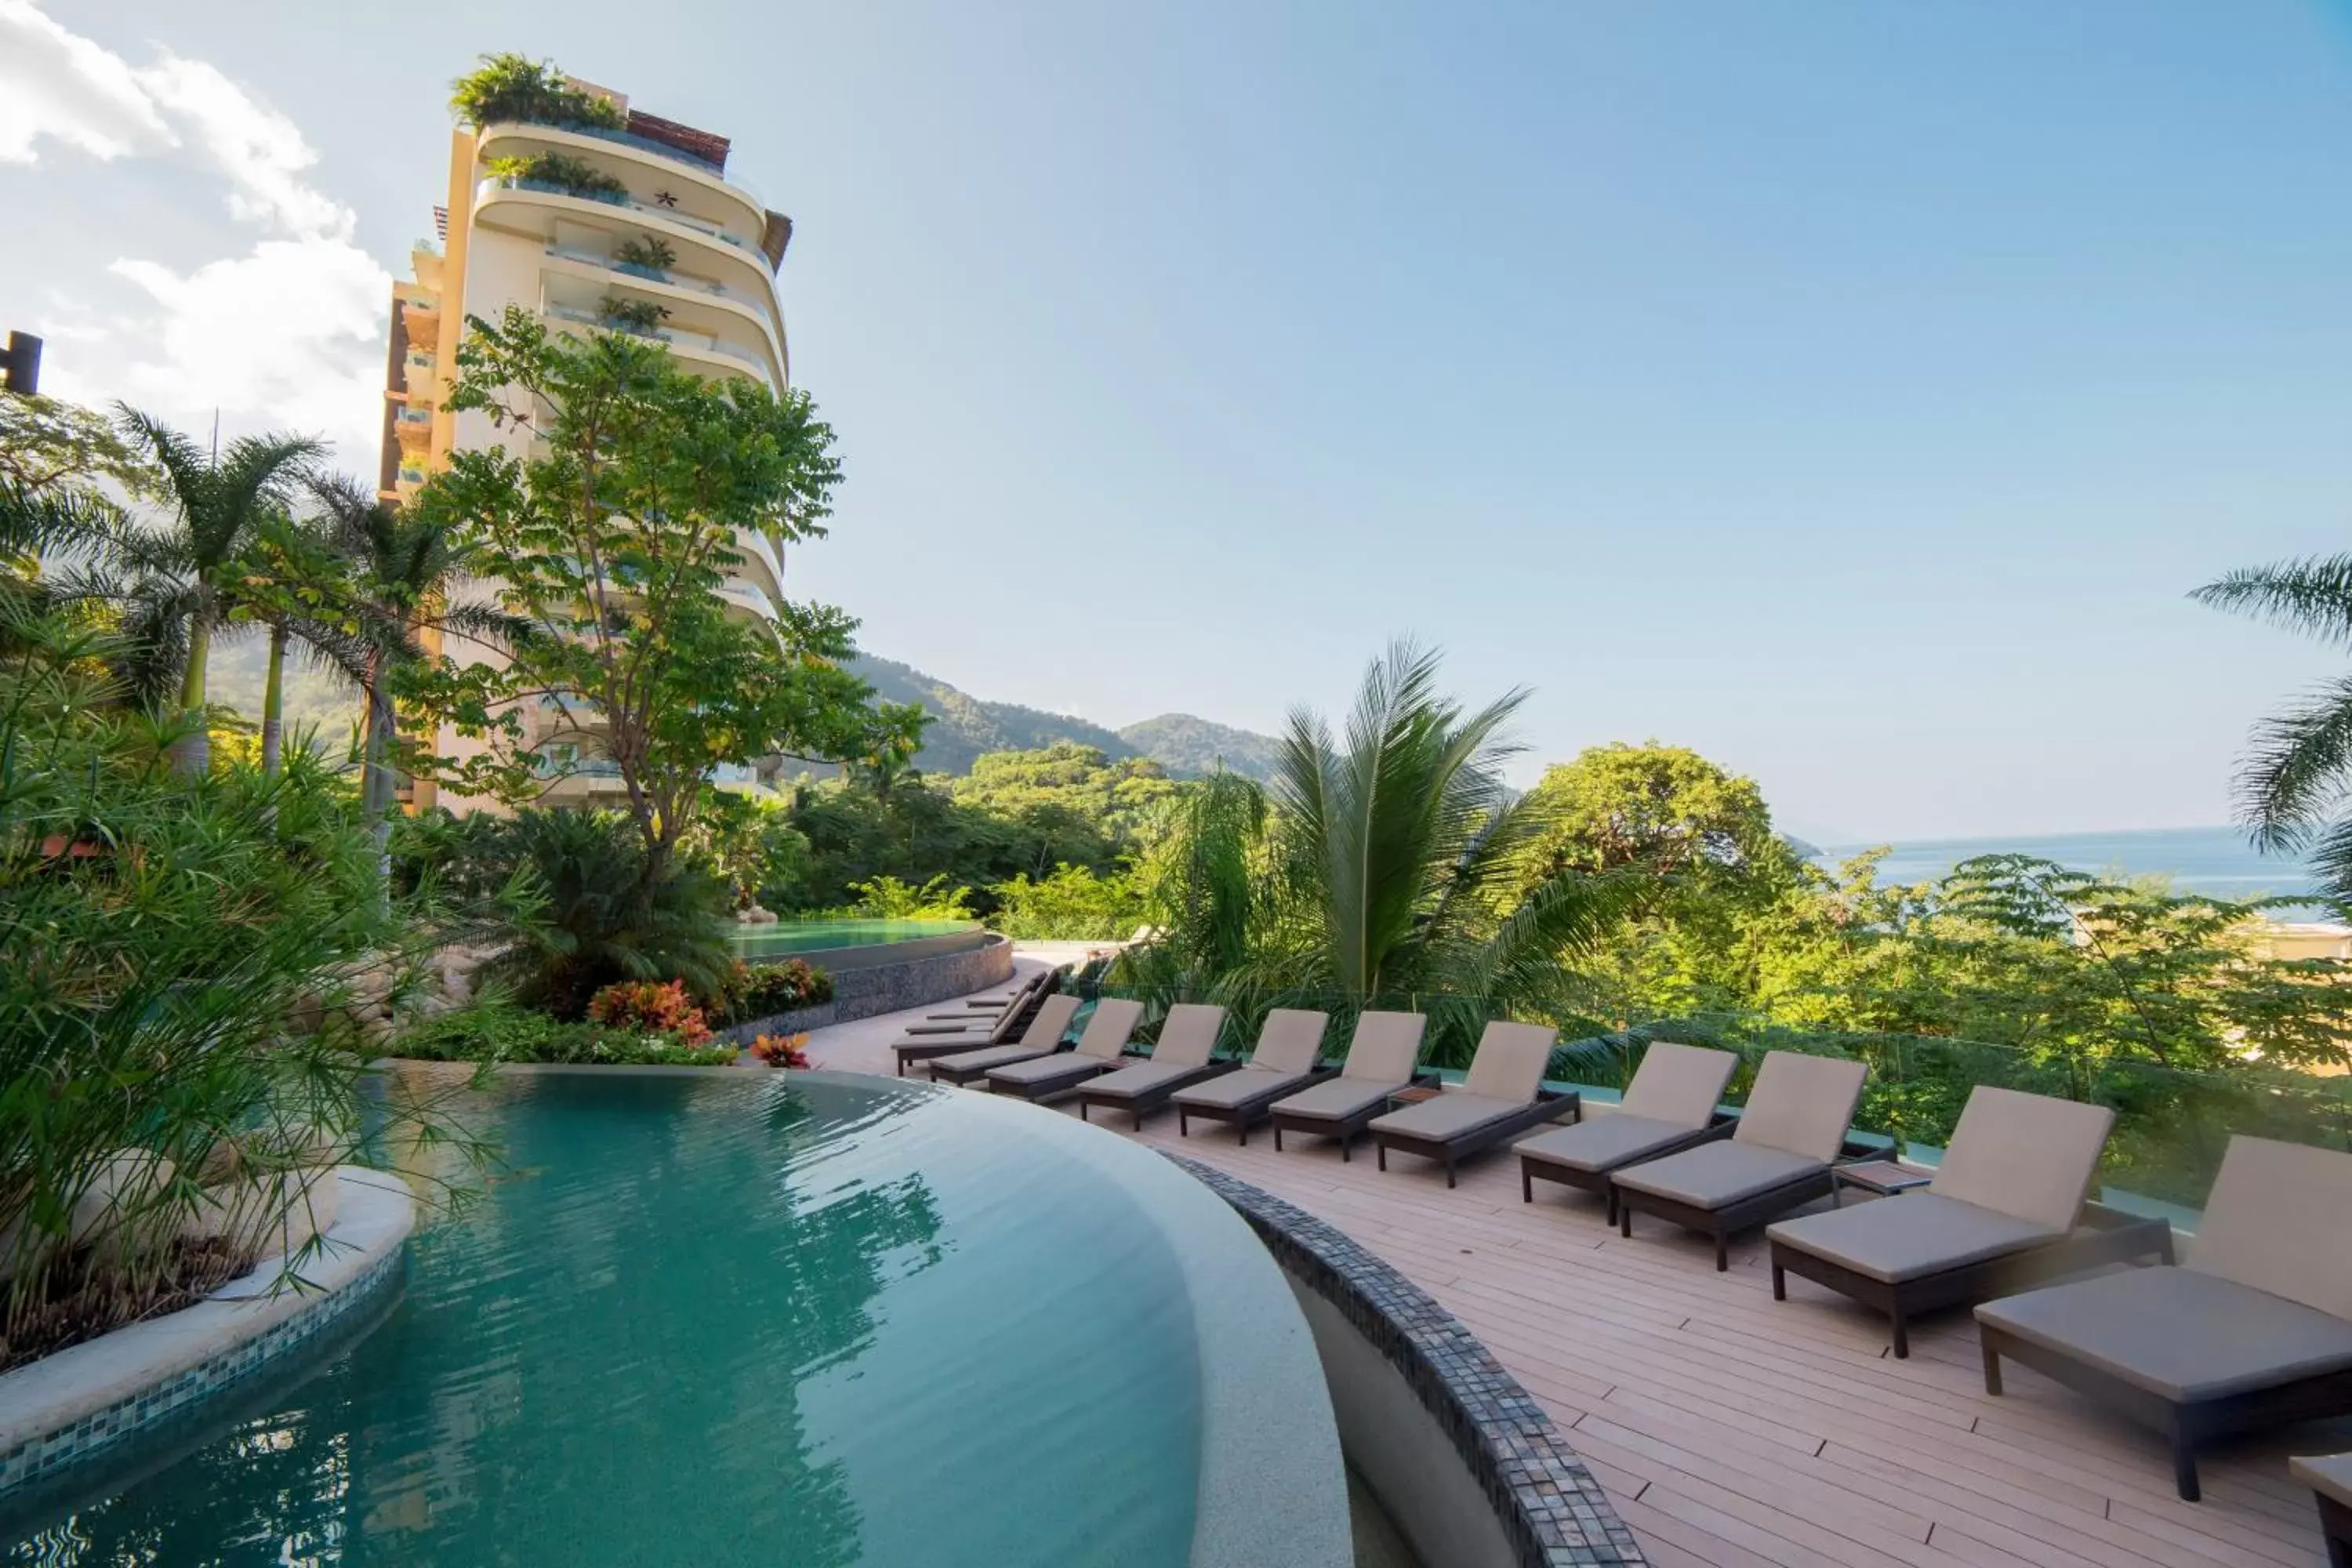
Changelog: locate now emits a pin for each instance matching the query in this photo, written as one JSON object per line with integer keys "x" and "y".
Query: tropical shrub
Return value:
{"x": 1074, "y": 904}
{"x": 649, "y": 251}
{"x": 498, "y": 1032}
{"x": 509, "y": 88}
{"x": 782, "y": 1050}
{"x": 638, "y": 316}
{"x": 763, "y": 990}
{"x": 649, "y": 1009}
{"x": 888, "y": 899}
{"x": 576, "y": 176}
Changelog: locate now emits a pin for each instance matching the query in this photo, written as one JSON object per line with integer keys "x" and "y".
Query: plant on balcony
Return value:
{"x": 649, "y": 253}
{"x": 573, "y": 176}
{"x": 509, "y": 88}
{"x": 615, "y": 533}
{"x": 642, "y": 317}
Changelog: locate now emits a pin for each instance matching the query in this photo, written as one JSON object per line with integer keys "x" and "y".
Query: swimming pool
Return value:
{"x": 793, "y": 938}
{"x": 812, "y": 1319}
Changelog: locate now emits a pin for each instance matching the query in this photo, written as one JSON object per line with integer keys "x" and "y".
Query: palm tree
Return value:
{"x": 2293, "y": 788}
{"x": 292, "y": 582}
{"x": 1385, "y": 868}
{"x": 180, "y": 591}
{"x": 409, "y": 566}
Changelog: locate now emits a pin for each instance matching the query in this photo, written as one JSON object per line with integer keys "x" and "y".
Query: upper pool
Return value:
{"x": 792, "y": 939}
{"x": 716, "y": 1319}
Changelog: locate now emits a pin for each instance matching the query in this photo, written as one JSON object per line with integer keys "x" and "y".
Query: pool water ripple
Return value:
{"x": 749, "y": 1320}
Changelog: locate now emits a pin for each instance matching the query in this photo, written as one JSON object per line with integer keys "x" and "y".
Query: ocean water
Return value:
{"x": 2215, "y": 862}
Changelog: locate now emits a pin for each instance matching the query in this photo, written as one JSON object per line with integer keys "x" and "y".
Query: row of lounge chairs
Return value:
{"x": 2255, "y": 1328}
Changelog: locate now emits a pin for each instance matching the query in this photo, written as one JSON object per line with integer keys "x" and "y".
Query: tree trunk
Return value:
{"x": 376, "y": 789}
{"x": 193, "y": 753}
{"x": 273, "y": 705}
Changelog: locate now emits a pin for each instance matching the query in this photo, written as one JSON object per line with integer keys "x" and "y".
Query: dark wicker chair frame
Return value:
{"x": 1138, "y": 1106}
{"x": 1722, "y": 1224}
{"x": 2336, "y": 1526}
{"x": 1549, "y": 1105}
{"x": 1532, "y": 1171}
{"x": 1345, "y": 1129}
{"x": 2104, "y": 1236}
{"x": 2186, "y": 1424}
{"x": 1004, "y": 1031}
{"x": 1063, "y": 1087}
{"x": 1246, "y": 1114}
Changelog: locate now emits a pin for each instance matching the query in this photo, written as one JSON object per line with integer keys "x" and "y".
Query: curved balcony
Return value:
{"x": 760, "y": 558}
{"x": 705, "y": 353}
{"x": 697, "y": 308}
{"x": 535, "y": 206}
{"x": 697, "y": 193}
{"x": 749, "y": 598}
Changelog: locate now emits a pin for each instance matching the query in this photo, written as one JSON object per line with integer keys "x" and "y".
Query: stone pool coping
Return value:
{"x": 1548, "y": 1503}
{"x": 64, "y": 1408}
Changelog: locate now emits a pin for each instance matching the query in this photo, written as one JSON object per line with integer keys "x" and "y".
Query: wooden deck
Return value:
{"x": 1734, "y": 1430}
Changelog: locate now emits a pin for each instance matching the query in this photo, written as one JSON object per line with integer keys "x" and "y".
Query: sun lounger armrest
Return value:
{"x": 1427, "y": 1078}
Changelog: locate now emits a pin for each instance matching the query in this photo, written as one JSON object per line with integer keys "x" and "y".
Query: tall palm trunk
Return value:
{"x": 273, "y": 704}
{"x": 193, "y": 753}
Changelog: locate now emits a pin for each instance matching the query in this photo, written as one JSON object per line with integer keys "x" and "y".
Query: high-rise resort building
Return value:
{"x": 647, "y": 213}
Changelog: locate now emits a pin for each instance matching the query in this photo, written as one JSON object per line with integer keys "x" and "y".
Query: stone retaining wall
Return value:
{"x": 877, "y": 988}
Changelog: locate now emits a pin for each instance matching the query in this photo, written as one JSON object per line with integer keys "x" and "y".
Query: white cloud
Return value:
{"x": 261, "y": 149}
{"x": 289, "y": 335}
{"x": 57, "y": 84}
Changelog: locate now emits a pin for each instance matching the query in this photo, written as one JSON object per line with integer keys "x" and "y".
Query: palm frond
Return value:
{"x": 2312, "y": 595}
{"x": 2300, "y": 766}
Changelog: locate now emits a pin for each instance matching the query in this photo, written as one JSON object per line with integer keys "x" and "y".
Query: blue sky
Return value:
{"x": 1849, "y": 390}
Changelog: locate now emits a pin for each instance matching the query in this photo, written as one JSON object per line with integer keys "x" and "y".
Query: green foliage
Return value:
{"x": 1191, "y": 748}
{"x": 1074, "y": 904}
{"x": 888, "y": 899}
{"x": 763, "y": 990}
{"x": 642, "y": 317}
{"x": 1067, "y": 789}
{"x": 499, "y": 1033}
{"x": 610, "y": 539}
{"x": 650, "y": 251}
{"x": 603, "y": 919}
{"x": 48, "y": 446}
{"x": 650, "y": 1008}
{"x": 575, "y": 176}
{"x": 2295, "y": 789}
{"x": 510, "y": 88}
{"x": 184, "y": 962}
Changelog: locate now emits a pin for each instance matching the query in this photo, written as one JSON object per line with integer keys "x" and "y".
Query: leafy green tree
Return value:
{"x": 2295, "y": 789}
{"x": 515, "y": 87}
{"x": 1074, "y": 904}
{"x": 611, "y": 539}
{"x": 1068, "y": 788}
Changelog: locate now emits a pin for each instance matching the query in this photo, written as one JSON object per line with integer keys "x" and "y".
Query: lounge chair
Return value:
{"x": 2330, "y": 1480}
{"x": 1100, "y": 1046}
{"x": 1008, "y": 1027}
{"x": 1792, "y": 1128}
{"x": 1501, "y": 1097}
{"x": 1188, "y": 1037}
{"x": 1041, "y": 1038}
{"x": 1381, "y": 1058}
{"x": 2007, "y": 1210}
{"x": 976, "y": 1015}
{"x": 1283, "y": 1063}
{"x": 1670, "y": 1105}
{"x": 2253, "y": 1329}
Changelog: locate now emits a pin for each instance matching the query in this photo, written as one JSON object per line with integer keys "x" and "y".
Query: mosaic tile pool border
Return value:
{"x": 42, "y": 1458}
{"x": 1548, "y": 1503}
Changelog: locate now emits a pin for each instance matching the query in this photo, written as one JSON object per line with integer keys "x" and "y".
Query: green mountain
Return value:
{"x": 964, "y": 726}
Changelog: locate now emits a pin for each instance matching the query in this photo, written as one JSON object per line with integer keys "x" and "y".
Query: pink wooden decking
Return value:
{"x": 1733, "y": 1430}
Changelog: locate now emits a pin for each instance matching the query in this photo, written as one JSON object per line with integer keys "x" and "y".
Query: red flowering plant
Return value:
{"x": 782, "y": 1050}
{"x": 654, "y": 1009}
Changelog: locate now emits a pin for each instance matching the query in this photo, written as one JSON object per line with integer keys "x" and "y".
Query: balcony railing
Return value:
{"x": 701, "y": 342}
{"x": 670, "y": 214}
{"x": 653, "y": 274}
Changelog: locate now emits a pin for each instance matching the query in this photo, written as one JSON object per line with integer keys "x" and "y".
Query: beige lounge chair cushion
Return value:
{"x": 1106, "y": 1033}
{"x": 1050, "y": 1022}
{"x": 1602, "y": 1143}
{"x": 1680, "y": 1084}
{"x": 1802, "y": 1105}
{"x": 2025, "y": 1155}
{"x": 1449, "y": 1116}
{"x": 2280, "y": 1218}
{"x": 2329, "y": 1475}
{"x": 1894, "y": 1239}
{"x": 1234, "y": 1088}
{"x": 1385, "y": 1047}
{"x": 2178, "y": 1334}
{"x": 1038, "y": 1070}
{"x": 1291, "y": 1040}
{"x": 1716, "y": 1176}
{"x": 1126, "y": 1083}
{"x": 1187, "y": 1035}
{"x": 987, "y": 1057}
{"x": 1337, "y": 1099}
{"x": 1510, "y": 1063}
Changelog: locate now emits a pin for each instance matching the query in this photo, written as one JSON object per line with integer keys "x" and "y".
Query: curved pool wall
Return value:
{"x": 888, "y": 976}
{"x": 1463, "y": 1461}
{"x": 809, "y": 1318}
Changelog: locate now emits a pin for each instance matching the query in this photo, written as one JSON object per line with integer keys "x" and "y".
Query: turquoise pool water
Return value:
{"x": 716, "y": 1320}
{"x": 788, "y": 939}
